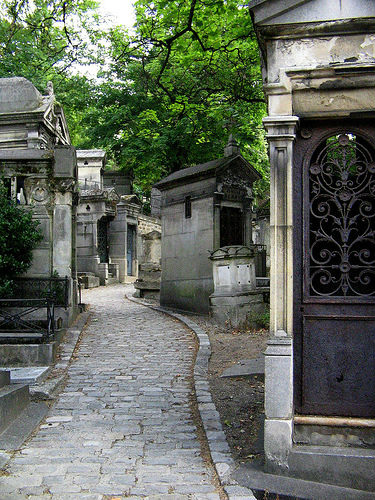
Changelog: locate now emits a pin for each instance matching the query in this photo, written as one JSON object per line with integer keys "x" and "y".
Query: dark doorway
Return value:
{"x": 231, "y": 226}
{"x": 103, "y": 239}
{"x": 334, "y": 270}
{"x": 130, "y": 249}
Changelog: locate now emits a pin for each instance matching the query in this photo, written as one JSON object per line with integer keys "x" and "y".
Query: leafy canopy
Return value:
{"x": 167, "y": 94}
{"x": 175, "y": 88}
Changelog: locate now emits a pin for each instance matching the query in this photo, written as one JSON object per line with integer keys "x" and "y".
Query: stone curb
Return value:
{"x": 48, "y": 388}
{"x": 219, "y": 448}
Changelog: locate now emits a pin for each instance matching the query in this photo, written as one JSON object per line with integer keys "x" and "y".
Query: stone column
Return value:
{"x": 117, "y": 241}
{"x": 279, "y": 359}
{"x": 217, "y": 204}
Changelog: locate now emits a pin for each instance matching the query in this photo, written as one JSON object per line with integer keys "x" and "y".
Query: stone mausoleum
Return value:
{"x": 38, "y": 166}
{"x": 203, "y": 208}
{"x": 318, "y": 61}
{"x": 107, "y": 222}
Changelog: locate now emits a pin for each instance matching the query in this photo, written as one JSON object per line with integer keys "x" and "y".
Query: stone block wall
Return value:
{"x": 147, "y": 223}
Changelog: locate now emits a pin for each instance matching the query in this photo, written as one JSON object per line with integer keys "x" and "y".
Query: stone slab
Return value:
{"x": 89, "y": 281}
{"x": 21, "y": 428}
{"x": 27, "y": 354}
{"x": 260, "y": 482}
{"x": 26, "y": 374}
{"x": 245, "y": 367}
{"x": 13, "y": 399}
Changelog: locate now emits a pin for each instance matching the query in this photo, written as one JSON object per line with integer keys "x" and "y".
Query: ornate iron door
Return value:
{"x": 130, "y": 249}
{"x": 334, "y": 270}
{"x": 231, "y": 226}
{"x": 103, "y": 239}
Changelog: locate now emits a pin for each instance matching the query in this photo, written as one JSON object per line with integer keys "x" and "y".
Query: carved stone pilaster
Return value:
{"x": 281, "y": 135}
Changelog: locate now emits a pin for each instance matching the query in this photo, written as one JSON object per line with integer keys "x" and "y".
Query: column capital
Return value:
{"x": 281, "y": 127}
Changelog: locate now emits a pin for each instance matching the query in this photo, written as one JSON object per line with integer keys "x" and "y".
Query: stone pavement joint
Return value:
{"x": 122, "y": 426}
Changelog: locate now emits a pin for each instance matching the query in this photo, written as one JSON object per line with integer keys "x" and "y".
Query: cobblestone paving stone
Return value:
{"x": 122, "y": 426}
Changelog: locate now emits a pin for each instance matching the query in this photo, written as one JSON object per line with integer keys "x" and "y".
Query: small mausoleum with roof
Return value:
{"x": 107, "y": 222}
{"x": 203, "y": 208}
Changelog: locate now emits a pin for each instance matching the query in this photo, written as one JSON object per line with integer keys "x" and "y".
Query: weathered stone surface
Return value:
{"x": 18, "y": 94}
{"x": 245, "y": 367}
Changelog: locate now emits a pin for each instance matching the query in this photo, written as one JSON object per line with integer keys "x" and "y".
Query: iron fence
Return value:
{"x": 260, "y": 260}
{"x": 54, "y": 289}
{"x": 18, "y": 319}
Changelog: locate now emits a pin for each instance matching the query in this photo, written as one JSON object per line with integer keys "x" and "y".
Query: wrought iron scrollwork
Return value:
{"x": 341, "y": 218}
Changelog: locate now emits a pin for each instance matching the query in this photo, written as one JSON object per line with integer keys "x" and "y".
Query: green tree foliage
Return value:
{"x": 42, "y": 39}
{"x": 175, "y": 89}
{"x": 19, "y": 235}
{"x": 169, "y": 93}
{"x": 48, "y": 40}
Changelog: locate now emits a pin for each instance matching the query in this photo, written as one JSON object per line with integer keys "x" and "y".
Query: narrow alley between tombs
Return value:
{"x": 123, "y": 424}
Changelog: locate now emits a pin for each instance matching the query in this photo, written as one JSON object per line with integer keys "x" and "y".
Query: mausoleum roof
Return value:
{"x": 22, "y": 105}
{"x": 207, "y": 169}
{"x": 91, "y": 153}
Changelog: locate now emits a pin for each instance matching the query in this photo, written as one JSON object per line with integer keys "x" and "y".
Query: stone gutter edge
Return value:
{"x": 48, "y": 388}
{"x": 217, "y": 442}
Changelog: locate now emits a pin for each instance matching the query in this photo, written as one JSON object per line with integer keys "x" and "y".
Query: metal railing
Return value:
{"x": 261, "y": 260}
{"x": 14, "y": 323}
{"x": 54, "y": 289}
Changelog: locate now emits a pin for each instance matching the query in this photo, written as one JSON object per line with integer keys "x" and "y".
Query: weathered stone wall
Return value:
{"x": 186, "y": 270}
{"x": 305, "y": 75}
{"x": 147, "y": 223}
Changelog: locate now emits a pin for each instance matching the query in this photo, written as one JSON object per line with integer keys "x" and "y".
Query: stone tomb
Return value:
{"x": 107, "y": 222}
{"x": 203, "y": 208}
{"x": 318, "y": 63}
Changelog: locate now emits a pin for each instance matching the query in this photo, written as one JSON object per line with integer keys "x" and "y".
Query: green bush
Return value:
{"x": 19, "y": 235}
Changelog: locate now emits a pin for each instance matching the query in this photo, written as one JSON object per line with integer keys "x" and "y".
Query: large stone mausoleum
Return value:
{"x": 318, "y": 61}
{"x": 38, "y": 166}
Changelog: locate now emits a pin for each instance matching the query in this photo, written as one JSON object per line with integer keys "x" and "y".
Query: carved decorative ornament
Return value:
{"x": 341, "y": 213}
{"x": 36, "y": 190}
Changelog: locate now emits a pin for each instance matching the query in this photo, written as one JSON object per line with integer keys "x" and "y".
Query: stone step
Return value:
{"x": 265, "y": 485}
{"x": 348, "y": 467}
{"x": 13, "y": 399}
{"x": 112, "y": 281}
{"x": 4, "y": 378}
{"x": 26, "y": 374}
{"x": 20, "y": 429}
{"x": 11, "y": 337}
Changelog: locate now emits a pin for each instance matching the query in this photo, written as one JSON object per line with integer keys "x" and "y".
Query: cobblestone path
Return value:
{"x": 122, "y": 426}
